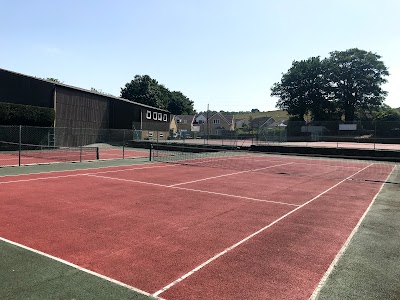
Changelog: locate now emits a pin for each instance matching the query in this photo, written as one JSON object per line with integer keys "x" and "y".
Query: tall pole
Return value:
{"x": 208, "y": 108}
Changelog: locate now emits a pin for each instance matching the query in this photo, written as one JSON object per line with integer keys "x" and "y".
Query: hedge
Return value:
{"x": 17, "y": 114}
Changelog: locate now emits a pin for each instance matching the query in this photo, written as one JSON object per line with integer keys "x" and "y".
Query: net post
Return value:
{"x": 80, "y": 153}
{"x": 19, "y": 145}
{"x": 97, "y": 153}
{"x": 123, "y": 146}
{"x": 151, "y": 152}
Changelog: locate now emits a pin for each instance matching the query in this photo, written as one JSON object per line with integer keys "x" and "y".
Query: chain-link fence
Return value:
{"x": 112, "y": 143}
{"x": 362, "y": 135}
{"x": 23, "y": 145}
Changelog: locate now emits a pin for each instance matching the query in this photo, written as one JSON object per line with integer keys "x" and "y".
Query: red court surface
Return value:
{"x": 185, "y": 232}
{"x": 248, "y": 143}
{"x": 105, "y": 153}
{"x": 11, "y": 159}
{"x": 46, "y": 157}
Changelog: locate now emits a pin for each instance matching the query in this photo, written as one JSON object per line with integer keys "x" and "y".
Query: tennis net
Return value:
{"x": 277, "y": 164}
{"x": 12, "y": 153}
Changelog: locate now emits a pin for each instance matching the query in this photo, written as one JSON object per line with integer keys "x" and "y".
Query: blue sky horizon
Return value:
{"x": 223, "y": 53}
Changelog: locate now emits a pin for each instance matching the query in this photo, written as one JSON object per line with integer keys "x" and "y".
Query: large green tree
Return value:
{"x": 356, "y": 77}
{"x": 304, "y": 88}
{"x": 343, "y": 83}
{"x": 144, "y": 89}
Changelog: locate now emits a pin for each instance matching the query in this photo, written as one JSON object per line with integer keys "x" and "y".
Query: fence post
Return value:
{"x": 123, "y": 145}
{"x": 19, "y": 145}
{"x": 151, "y": 152}
{"x": 375, "y": 135}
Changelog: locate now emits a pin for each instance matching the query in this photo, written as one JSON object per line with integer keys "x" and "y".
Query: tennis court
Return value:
{"x": 204, "y": 225}
{"x": 16, "y": 154}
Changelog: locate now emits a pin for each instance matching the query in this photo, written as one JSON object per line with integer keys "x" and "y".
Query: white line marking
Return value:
{"x": 77, "y": 267}
{"x": 234, "y": 196}
{"x": 230, "y": 174}
{"x": 193, "y": 190}
{"x": 250, "y": 236}
{"x": 127, "y": 180}
{"x": 72, "y": 175}
{"x": 83, "y": 169}
{"x": 345, "y": 245}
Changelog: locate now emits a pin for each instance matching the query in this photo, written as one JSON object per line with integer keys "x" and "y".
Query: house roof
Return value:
{"x": 189, "y": 118}
{"x": 262, "y": 121}
{"x": 228, "y": 117}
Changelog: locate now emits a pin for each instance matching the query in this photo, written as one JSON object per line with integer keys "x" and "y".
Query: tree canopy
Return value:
{"x": 338, "y": 85}
{"x": 146, "y": 90}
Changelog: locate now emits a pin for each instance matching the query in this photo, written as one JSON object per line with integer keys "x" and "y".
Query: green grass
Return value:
{"x": 370, "y": 267}
{"x": 276, "y": 114}
{"x": 28, "y": 275}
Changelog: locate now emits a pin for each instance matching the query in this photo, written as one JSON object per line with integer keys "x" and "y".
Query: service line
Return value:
{"x": 167, "y": 287}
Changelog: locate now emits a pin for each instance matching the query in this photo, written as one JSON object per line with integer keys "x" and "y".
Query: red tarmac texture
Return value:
{"x": 148, "y": 235}
{"x": 286, "y": 261}
{"x": 157, "y": 235}
{"x": 118, "y": 153}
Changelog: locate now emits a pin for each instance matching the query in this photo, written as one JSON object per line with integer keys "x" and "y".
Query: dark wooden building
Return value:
{"x": 79, "y": 108}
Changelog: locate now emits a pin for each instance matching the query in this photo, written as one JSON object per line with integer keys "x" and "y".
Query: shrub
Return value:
{"x": 17, "y": 114}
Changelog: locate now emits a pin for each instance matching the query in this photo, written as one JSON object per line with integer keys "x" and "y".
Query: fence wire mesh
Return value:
{"x": 112, "y": 143}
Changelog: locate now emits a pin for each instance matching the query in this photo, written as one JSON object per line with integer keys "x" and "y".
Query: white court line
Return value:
{"x": 127, "y": 180}
{"x": 234, "y": 196}
{"x": 78, "y": 267}
{"x": 230, "y": 174}
{"x": 345, "y": 245}
{"x": 72, "y": 175}
{"x": 83, "y": 169}
{"x": 193, "y": 190}
{"x": 250, "y": 236}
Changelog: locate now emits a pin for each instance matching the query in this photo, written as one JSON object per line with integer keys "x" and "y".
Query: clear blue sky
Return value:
{"x": 226, "y": 53}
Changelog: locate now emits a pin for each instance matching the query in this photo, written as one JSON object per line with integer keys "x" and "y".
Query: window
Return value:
{"x": 154, "y": 115}
{"x": 159, "y": 116}
{"x": 148, "y": 114}
{"x": 216, "y": 121}
{"x": 150, "y": 134}
{"x": 184, "y": 121}
{"x": 201, "y": 121}
{"x": 165, "y": 118}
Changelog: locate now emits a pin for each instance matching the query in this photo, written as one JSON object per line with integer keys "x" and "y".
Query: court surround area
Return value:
{"x": 199, "y": 225}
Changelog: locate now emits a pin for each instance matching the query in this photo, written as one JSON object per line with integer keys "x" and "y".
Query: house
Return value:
{"x": 173, "y": 127}
{"x": 241, "y": 122}
{"x": 200, "y": 119}
{"x": 262, "y": 122}
{"x": 217, "y": 124}
{"x": 185, "y": 123}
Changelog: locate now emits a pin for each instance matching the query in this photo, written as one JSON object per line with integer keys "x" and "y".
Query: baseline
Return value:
{"x": 193, "y": 190}
{"x": 165, "y": 288}
{"x": 78, "y": 267}
{"x": 346, "y": 244}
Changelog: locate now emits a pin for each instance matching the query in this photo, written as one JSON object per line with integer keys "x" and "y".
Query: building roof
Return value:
{"x": 228, "y": 117}
{"x": 84, "y": 90}
{"x": 261, "y": 121}
{"x": 188, "y": 118}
